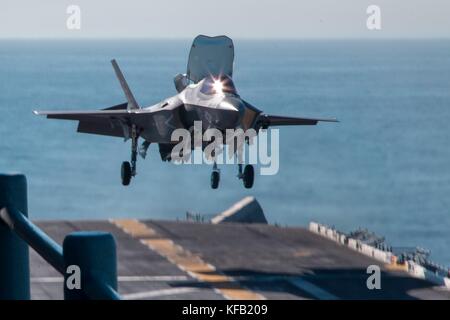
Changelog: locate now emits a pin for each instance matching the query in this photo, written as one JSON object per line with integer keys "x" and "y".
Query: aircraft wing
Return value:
{"x": 154, "y": 125}
{"x": 266, "y": 120}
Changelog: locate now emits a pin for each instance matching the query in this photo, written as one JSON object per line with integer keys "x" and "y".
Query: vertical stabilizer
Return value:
{"x": 132, "y": 104}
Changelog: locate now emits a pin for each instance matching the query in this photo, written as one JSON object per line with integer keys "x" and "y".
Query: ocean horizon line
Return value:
{"x": 235, "y": 38}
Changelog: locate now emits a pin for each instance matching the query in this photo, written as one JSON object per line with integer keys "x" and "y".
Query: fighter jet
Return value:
{"x": 206, "y": 93}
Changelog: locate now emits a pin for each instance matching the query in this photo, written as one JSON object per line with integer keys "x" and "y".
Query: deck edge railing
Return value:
{"x": 92, "y": 253}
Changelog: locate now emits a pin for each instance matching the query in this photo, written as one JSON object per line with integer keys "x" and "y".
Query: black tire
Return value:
{"x": 249, "y": 176}
{"x": 126, "y": 173}
{"x": 215, "y": 178}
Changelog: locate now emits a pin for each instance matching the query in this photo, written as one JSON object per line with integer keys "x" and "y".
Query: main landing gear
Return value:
{"x": 128, "y": 170}
{"x": 247, "y": 176}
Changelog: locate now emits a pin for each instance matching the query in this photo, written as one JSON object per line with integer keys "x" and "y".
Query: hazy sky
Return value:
{"x": 236, "y": 18}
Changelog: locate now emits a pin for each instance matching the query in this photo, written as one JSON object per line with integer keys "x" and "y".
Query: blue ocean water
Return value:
{"x": 385, "y": 166}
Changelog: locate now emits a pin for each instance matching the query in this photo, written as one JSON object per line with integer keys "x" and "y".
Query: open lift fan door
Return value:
{"x": 210, "y": 56}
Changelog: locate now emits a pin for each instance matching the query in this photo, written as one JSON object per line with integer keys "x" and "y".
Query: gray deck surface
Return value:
{"x": 275, "y": 262}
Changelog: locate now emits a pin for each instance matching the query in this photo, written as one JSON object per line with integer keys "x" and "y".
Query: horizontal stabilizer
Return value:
{"x": 110, "y": 128}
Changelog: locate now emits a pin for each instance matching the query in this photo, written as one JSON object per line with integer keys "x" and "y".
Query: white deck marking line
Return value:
{"x": 312, "y": 289}
{"x": 157, "y": 293}
{"x": 120, "y": 279}
{"x": 47, "y": 279}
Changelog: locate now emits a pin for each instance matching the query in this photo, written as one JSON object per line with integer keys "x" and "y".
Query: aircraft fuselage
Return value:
{"x": 219, "y": 110}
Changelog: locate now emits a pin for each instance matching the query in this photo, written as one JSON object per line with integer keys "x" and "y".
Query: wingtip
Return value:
{"x": 36, "y": 112}
{"x": 329, "y": 120}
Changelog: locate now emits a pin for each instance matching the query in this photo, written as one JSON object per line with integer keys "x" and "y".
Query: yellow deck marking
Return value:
{"x": 134, "y": 227}
{"x": 397, "y": 267}
{"x": 186, "y": 261}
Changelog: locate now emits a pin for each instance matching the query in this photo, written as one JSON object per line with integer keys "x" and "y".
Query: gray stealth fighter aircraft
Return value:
{"x": 206, "y": 93}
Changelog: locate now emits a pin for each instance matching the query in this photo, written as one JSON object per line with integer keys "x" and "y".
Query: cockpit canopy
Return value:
{"x": 223, "y": 84}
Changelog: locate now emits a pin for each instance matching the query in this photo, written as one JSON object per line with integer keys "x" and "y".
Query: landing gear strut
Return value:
{"x": 215, "y": 177}
{"x": 128, "y": 170}
{"x": 248, "y": 176}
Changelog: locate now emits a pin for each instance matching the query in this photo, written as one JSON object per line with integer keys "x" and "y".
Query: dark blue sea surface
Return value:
{"x": 385, "y": 166}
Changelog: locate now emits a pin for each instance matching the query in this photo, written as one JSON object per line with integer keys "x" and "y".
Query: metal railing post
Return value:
{"x": 14, "y": 258}
{"x": 95, "y": 254}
